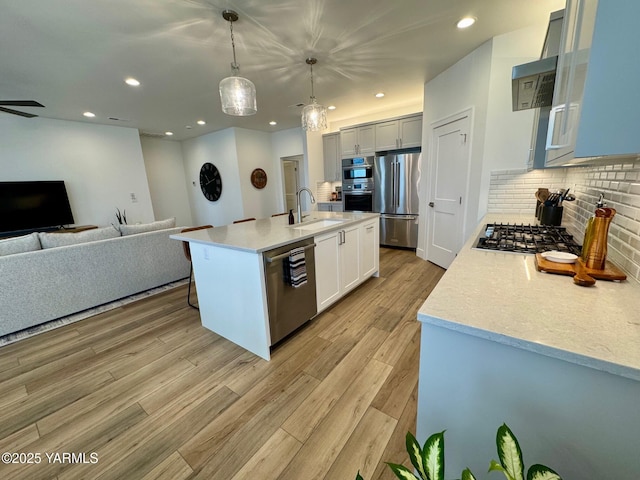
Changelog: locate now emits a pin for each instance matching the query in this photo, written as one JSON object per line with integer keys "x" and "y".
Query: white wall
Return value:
{"x": 286, "y": 143}
{"x": 254, "y": 151}
{"x": 218, "y": 148}
{"x": 101, "y": 165}
{"x": 167, "y": 183}
{"x": 500, "y": 138}
{"x": 508, "y": 134}
{"x": 462, "y": 86}
{"x": 314, "y": 164}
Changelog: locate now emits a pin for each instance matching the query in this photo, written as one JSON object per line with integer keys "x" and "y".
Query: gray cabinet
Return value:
{"x": 564, "y": 118}
{"x": 332, "y": 158}
{"x": 330, "y": 206}
{"x": 595, "y": 111}
{"x": 401, "y": 133}
{"x": 359, "y": 140}
{"x": 610, "y": 112}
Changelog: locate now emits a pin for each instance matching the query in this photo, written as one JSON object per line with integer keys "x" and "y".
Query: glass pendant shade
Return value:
{"x": 314, "y": 117}
{"x": 238, "y": 96}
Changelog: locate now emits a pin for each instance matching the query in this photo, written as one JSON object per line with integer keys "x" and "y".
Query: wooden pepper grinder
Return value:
{"x": 594, "y": 248}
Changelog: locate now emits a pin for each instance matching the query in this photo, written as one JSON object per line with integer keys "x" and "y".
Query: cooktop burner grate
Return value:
{"x": 521, "y": 238}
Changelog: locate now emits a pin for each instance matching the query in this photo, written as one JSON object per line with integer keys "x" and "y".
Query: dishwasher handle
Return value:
{"x": 284, "y": 255}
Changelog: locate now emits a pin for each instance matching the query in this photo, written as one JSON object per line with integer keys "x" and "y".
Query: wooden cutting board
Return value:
{"x": 610, "y": 272}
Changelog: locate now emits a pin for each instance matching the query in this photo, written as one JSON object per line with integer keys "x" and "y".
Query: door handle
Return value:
{"x": 431, "y": 204}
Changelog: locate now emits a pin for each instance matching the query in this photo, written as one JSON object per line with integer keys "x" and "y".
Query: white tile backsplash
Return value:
{"x": 512, "y": 191}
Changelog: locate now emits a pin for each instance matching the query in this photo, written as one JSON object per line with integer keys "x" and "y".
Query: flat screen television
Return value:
{"x": 33, "y": 205}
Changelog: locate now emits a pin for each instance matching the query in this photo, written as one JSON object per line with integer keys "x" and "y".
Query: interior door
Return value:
{"x": 291, "y": 182}
{"x": 450, "y": 164}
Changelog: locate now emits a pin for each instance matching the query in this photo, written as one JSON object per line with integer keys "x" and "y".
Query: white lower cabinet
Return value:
{"x": 350, "y": 258}
{"x": 369, "y": 248}
{"x": 344, "y": 259}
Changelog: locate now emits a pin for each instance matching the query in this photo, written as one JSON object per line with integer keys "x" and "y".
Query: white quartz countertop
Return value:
{"x": 503, "y": 298}
{"x": 267, "y": 233}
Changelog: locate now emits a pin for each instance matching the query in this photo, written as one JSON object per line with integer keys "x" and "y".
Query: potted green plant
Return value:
{"x": 428, "y": 460}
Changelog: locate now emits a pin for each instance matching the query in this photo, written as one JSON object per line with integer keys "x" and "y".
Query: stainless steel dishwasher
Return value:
{"x": 289, "y": 307}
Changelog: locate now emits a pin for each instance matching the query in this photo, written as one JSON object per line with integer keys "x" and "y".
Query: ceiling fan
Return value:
{"x": 19, "y": 103}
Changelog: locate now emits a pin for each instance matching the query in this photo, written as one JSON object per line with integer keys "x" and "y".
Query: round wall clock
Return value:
{"x": 259, "y": 178}
{"x": 210, "y": 182}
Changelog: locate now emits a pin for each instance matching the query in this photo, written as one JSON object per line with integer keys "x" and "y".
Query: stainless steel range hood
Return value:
{"x": 532, "y": 83}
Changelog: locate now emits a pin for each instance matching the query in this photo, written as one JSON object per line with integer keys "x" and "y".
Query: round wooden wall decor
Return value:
{"x": 259, "y": 178}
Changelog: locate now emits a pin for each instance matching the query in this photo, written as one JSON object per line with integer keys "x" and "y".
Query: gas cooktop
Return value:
{"x": 521, "y": 238}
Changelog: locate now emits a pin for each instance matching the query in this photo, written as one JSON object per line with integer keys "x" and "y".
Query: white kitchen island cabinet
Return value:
{"x": 228, "y": 266}
{"x": 558, "y": 363}
{"x": 344, "y": 259}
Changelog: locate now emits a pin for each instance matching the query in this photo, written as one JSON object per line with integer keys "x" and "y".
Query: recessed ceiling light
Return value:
{"x": 379, "y": 95}
{"x": 466, "y": 22}
{"x": 331, "y": 107}
{"x": 89, "y": 114}
{"x": 188, "y": 127}
{"x": 132, "y": 82}
{"x": 273, "y": 123}
{"x": 168, "y": 134}
{"x": 201, "y": 122}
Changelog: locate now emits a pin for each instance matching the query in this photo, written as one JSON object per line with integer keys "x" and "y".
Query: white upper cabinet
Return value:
{"x": 331, "y": 155}
{"x": 595, "y": 109}
{"x": 396, "y": 134}
{"x": 358, "y": 141}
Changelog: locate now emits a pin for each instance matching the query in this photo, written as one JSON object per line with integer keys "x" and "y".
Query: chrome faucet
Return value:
{"x": 313, "y": 200}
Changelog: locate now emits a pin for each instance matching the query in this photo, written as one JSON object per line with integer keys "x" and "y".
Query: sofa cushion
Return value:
{"x": 148, "y": 227}
{"x": 26, "y": 243}
{"x": 52, "y": 240}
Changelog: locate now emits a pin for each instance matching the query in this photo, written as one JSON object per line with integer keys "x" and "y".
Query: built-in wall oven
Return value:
{"x": 357, "y": 197}
{"x": 357, "y": 184}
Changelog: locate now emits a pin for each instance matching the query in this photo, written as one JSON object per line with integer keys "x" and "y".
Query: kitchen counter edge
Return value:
{"x": 268, "y": 233}
{"x": 540, "y": 312}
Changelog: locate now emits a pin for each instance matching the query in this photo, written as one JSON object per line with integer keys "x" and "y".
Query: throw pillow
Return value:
{"x": 52, "y": 240}
{"x": 148, "y": 227}
{"x": 26, "y": 243}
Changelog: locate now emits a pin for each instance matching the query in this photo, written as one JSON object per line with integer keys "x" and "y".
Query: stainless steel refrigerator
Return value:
{"x": 396, "y": 178}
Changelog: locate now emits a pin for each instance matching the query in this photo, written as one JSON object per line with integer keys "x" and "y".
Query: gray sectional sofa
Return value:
{"x": 45, "y": 284}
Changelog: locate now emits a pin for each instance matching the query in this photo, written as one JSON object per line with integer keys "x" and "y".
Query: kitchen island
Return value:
{"x": 559, "y": 363}
{"x": 229, "y": 268}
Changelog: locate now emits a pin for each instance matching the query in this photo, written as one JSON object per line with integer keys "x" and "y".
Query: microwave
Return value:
{"x": 357, "y": 169}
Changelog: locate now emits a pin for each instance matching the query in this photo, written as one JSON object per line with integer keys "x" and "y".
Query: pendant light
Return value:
{"x": 314, "y": 115}
{"x": 237, "y": 94}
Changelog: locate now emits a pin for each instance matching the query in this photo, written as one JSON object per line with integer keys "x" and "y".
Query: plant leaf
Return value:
{"x": 402, "y": 472}
{"x": 467, "y": 475}
{"x": 495, "y": 466}
{"x": 358, "y": 476}
{"x": 433, "y": 456}
{"x": 540, "y": 472}
{"x": 509, "y": 453}
{"x": 415, "y": 454}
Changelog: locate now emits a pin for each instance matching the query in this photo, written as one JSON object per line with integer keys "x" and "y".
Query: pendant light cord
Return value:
{"x": 313, "y": 97}
{"x": 233, "y": 45}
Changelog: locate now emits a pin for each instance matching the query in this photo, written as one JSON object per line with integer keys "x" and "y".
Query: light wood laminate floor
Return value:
{"x": 153, "y": 395}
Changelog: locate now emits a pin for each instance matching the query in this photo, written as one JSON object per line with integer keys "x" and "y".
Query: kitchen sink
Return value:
{"x": 318, "y": 224}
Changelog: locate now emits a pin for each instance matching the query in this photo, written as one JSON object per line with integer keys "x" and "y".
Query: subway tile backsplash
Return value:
{"x": 512, "y": 191}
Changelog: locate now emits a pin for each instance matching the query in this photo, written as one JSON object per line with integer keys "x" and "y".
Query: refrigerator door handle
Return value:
{"x": 393, "y": 184}
{"x": 396, "y": 176}
{"x": 399, "y": 217}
